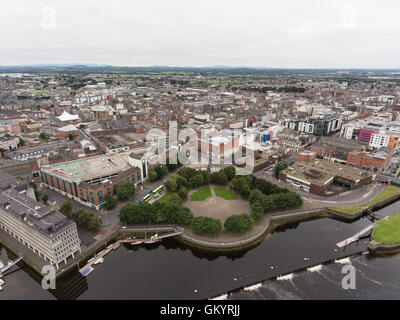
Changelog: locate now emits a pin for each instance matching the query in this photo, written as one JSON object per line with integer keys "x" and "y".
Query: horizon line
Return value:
{"x": 93, "y": 65}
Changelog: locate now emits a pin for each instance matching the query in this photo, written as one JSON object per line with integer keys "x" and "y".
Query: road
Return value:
{"x": 107, "y": 217}
{"x": 348, "y": 198}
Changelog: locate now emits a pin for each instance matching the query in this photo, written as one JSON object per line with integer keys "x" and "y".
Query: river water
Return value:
{"x": 169, "y": 270}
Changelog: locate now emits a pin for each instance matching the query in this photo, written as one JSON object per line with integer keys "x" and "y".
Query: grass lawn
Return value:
{"x": 165, "y": 198}
{"x": 225, "y": 193}
{"x": 388, "y": 231}
{"x": 385, "y": 194}
{"x": 201, "y": 194}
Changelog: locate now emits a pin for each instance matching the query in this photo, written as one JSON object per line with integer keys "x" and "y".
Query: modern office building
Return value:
{"x": 319, "y": 126}
{"x": 89, "y": 180}
{"x": 45, "y": 231}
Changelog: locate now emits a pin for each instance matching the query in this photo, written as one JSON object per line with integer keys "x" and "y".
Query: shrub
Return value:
{"x": 257, "y": 212}
{"x": 239, "y": 223}
{"x": 206, "y": 225}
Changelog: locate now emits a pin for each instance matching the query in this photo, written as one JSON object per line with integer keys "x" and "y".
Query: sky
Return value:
{"x": 252, "y": 33}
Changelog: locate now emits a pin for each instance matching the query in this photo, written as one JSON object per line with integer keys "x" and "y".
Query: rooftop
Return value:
{"x": 89, "y": 168}
{"x": 320, "y": 172}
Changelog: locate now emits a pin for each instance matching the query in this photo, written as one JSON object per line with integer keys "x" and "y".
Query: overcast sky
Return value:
{"x": 262, "y": 33}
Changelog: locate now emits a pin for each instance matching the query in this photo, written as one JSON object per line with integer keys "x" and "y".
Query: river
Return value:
{"x": 169, "y": 270}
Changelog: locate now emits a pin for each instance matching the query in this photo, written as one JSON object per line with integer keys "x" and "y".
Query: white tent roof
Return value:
{"x": 67, "y": 117}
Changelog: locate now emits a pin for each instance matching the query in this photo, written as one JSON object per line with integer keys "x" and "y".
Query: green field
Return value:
{"x": 165, "y": 198}
{"x": 201, "y": 194}
{"x": 388, "y": 231}
{"x": 385, "y": 194}
{"x": 225, "y": 193}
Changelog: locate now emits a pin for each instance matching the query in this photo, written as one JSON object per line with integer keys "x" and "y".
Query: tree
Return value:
{"x": 255, "y": 195}
{"x": 21, "y": 142}
{"x": 278, "y": 168}
{"x": 66, "y": 209}
{"x": 241, "y": 186}
{"x": 125, "y": 190}
{"x": 238, "y": 223}
{"x": 219, "y": 178}
{"x": 161, "y": 171}
{"x": 45, "y": 198}
{"x": 110, "y": 202}
{"x": 206, "y": 225}
{"x": 94, "y": 223}
{"x": 175, "y": 198}
{"x": 185, "y": 216}
{"x": 181, "y": 181}
{"x": 196, "y": 181}
{"x": 257, "y": 212}
{"x": 187, "y": 172}
{"x": 126, "y": 212}
{"x": 206, "y": 176}
{"x": 153, "y": 176}
{"x": 183, "y": 193}
{"x": 171, "y": 185}
{"x": 170, "y": 212}
{"x": 230, "y": 172}
{"x": 42, "y": 136}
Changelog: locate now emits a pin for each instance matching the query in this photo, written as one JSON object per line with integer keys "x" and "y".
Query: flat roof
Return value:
{"x": 328, "y": 170}
{"x": 89, "y": 168}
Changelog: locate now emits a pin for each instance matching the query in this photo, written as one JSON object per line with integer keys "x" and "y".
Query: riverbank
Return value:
{"x": 224, "y": 244}
{"x": 387, "y": 196}
{"x": 385, "y": 238}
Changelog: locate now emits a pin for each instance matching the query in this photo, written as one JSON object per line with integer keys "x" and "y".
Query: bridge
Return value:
{"x": 358, "y": 235}
{"x": 180, "y": 231}
{"x": 9, "y": 266}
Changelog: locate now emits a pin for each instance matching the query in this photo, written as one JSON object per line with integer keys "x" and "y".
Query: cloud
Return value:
{"x": 287, "y": 33}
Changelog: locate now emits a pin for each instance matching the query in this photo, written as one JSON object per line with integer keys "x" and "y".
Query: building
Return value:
{"x": 67, "y": 117}
{"x": 319, "y": 126}
{"x": 89, "y": 180}
{"x": 306, "y": 155}
{"x": 383, "y": 140}
{"x": 9, "y": 143}
{"x": 365, "y": 134}
{"x": 318, "y": 177}
{"x": 67, "y": 131}
{"x": 336, "y": 149}
{"x": 10, "y": 126}
{"x": 18, "y": 167}
{"x": 45, "y": 231}
{"x": 370, "y": 160}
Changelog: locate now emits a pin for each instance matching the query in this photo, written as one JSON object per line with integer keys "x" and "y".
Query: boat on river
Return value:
{"x": 87, "y": 271}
